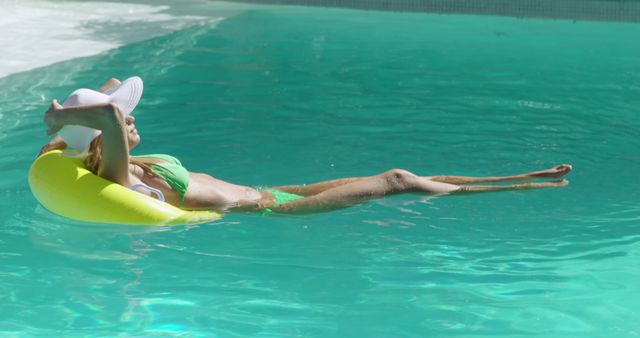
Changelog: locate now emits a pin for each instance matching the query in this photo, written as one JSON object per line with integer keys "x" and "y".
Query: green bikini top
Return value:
{"x": 172, "y": 171}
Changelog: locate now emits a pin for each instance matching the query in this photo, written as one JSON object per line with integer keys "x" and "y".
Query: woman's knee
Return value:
{"x": 399, "y": 178}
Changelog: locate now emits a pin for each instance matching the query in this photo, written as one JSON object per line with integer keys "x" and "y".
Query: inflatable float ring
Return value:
{"x": 65, "y": 187}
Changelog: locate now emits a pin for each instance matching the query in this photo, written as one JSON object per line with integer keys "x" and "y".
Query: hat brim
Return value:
{"x": 127, "y": 95}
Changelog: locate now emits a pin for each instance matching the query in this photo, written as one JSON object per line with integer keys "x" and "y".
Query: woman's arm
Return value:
{"x": 57, "y": 142}
{"x": 104, "y": 117}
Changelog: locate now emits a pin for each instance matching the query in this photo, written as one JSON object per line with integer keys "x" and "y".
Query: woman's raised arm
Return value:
{"x": 105, "y": 117}
{"x": 57, "y": 142}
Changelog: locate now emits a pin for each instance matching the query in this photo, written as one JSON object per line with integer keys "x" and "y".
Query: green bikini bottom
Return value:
{"x": 281, "y": 198}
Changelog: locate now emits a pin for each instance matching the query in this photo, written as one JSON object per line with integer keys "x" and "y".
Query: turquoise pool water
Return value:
{"x": 282, "y": 95}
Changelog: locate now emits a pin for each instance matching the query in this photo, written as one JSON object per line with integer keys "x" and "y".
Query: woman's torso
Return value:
{"x": 203, "y": 192}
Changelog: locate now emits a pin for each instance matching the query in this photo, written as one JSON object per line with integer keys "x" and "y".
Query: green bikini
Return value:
{"x": 172, "y": 171}
{"x": 281, "y": 198}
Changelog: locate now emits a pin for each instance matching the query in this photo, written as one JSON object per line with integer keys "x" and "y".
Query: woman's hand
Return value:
{"x": 109, "y": 85}
{"x": 51, "y": 118}
{"x": 55, "y": 143}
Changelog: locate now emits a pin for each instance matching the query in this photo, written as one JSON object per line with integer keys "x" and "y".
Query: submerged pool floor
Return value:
{"x": 282, "y": 95}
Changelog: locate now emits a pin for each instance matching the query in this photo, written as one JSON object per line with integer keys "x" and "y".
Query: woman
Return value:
{"x": 162, "y": 176}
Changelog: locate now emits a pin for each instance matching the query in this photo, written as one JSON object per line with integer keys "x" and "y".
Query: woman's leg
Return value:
{"x": 555, "y": 172}
{"x": 486, "y": 188}
{"x": 316, "y": 188}
{"x": 366, "y": 188}
{"x": 391, "y": 182}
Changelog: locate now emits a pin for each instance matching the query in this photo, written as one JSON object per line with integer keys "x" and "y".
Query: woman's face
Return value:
{"x": 132, "y": 132}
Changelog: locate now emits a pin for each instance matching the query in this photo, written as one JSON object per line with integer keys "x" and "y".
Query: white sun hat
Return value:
{"x": 125, "y": 96}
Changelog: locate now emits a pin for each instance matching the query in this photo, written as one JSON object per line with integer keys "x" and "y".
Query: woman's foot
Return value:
{"x": 555, "y": 172}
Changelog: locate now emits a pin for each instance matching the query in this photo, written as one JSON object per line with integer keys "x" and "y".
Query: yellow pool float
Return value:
{"x": 64, "y": 186}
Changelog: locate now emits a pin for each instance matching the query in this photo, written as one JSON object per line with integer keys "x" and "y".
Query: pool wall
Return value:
{"x": 621, "y": 10}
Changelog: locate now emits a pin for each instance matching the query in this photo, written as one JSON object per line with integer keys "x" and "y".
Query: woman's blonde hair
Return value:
{"x": 94, "y": 157}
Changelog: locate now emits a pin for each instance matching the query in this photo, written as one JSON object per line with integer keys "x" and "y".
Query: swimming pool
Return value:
{"x": 277, "y": 95}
